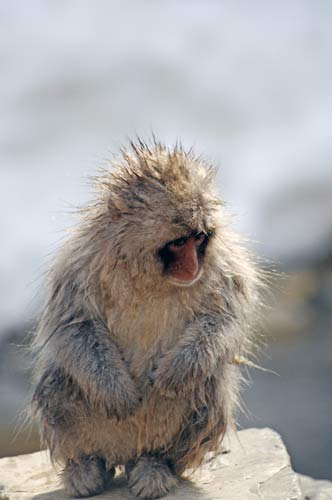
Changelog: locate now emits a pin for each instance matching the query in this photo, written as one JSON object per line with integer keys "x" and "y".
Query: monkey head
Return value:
{"x": 163, "y": 212}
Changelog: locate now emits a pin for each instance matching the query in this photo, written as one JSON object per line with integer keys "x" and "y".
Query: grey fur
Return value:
{"x": 150, "y": 478}
{"x": 86, "y": 478}
{"x": 130, "y": 368}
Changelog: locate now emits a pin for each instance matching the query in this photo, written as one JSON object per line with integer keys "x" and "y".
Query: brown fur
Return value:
{"x": 129, "y": 365}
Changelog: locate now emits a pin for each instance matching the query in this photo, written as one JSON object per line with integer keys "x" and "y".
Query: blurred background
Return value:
{"x": 248, "y": 85}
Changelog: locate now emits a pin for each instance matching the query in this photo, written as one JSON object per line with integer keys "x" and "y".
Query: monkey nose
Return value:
{"x": 191, "y": 265}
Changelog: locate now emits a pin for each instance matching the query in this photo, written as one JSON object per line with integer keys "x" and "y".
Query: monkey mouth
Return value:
{"x": 184, "y": 282}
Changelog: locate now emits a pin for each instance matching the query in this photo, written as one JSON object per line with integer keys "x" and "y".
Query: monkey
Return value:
{"x": 148, "y": 305}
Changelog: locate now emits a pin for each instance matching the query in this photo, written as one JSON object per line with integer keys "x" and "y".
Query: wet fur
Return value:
{"x": 128, "y": 365}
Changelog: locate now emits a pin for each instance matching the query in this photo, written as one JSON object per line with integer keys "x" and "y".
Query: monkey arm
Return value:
{"x": 195, "y": 357}
{"x": 88, "y": 354}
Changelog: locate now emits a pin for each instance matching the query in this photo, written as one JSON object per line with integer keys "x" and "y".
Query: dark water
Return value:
{"x": 298, "y": 402}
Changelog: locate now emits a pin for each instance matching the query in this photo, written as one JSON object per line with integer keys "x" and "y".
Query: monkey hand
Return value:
{"x": 90, "y": 356}
{"x": 114, "y": 394}
{"x": 182, "y": 371}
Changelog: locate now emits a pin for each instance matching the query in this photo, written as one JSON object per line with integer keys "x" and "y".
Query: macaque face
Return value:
{"x": 183, "y": 258}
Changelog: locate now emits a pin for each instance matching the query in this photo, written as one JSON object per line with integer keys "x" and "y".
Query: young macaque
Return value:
{"x": 149, "y": 304}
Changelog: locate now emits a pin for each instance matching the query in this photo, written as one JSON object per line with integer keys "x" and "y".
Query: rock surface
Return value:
{"x": 257, "y": 466}
{"x": 315, "y": 489}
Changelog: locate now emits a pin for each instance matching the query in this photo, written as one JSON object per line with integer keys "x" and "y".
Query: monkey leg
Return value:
{"x": 87, "y": 477}
{"x": 60, "y": 407}
{"x": 203, "y": 428}
{"x": 150, "y": 478}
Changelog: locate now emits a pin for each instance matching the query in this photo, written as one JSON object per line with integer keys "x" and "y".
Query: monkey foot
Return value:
{"x": 149, "y": 479}
{"x": 87, "y": 478}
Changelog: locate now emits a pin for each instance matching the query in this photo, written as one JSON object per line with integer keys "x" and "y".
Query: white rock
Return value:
{"x": 257, "y": 467}
{"x": 315, "y": 489}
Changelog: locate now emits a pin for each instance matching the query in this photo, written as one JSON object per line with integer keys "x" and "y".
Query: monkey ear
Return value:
{"x": 115, "y": 217}
{"x": 117, "y": 207}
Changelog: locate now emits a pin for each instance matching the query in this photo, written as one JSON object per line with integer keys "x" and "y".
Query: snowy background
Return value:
{"x": 249, "y": 85}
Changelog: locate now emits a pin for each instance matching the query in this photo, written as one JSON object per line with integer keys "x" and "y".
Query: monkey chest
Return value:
{"x": 145, "y": 332}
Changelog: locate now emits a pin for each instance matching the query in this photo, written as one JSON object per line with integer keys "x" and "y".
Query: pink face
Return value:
{"x": 183, "y": 258}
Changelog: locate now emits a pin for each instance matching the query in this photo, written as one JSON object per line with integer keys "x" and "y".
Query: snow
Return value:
{"x": 248, "y": 84}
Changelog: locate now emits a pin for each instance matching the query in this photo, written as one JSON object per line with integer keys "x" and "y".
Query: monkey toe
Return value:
{"x": 87, "y": 478}
{"x": 149, "y": 479}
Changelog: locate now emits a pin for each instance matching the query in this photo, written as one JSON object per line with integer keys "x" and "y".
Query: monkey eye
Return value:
{"x": 179, "y": 242}
{"x": 200, "y": 238}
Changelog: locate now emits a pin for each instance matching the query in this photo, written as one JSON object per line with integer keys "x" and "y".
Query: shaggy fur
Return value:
{"x": 87, "y": 477}
{"x": 150, "y": 478}
{"x": 130, "y": 368}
